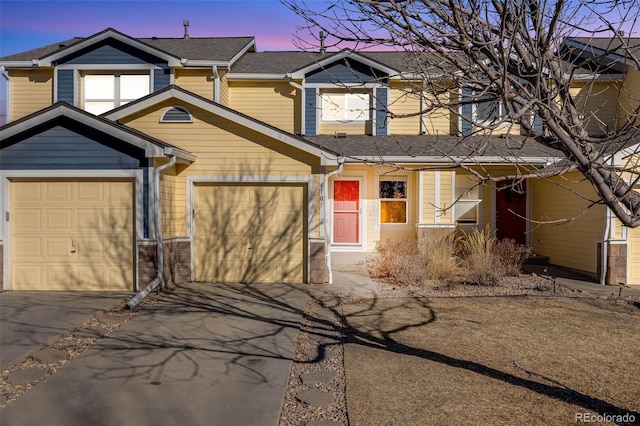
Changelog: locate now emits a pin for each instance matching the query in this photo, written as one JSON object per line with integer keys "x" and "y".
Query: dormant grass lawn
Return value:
{"x": 492, "y": 360}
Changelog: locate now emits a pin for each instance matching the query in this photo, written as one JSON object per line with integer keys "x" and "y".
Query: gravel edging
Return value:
{"x": 316, "y": 392}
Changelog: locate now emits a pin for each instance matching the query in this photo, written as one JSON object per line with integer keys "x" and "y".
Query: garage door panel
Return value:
{"x": 85, "y": 240}
{"x": 28, "y": 219}
{"x": 28, "y": 248}
{"x": 30, "y": 276}
{"x": 634, "y": 256}
{"x": 27, "y": 191}
{"x": 90, "y": 191}
{"x": 244, "y": 233}
{"x": 58, "y": 192}
{"x": 60, "y": 219}
{"x": 58, "y": 248}
{"x": 90, "y": 219}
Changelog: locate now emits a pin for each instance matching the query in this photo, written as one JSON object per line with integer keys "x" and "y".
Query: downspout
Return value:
{"x": 159, "y": 242}
{"x": 216, "y": 84}
{"x": 5, "y": 74}
{"x": 327, "y": 230}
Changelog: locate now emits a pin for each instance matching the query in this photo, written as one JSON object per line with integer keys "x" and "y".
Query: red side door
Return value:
{"x": 346, "y": 211}
{"x": 511, "y": 211}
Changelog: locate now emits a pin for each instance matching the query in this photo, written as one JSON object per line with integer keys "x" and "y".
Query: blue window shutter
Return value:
{"x": 381, "y": 105}
{"x": 538, "y": 124}
{"x": 311, "y": 112}
{"x": 65, "y": 86}
{"x": 161, "y": 79}
{"x": 466, "y": 110}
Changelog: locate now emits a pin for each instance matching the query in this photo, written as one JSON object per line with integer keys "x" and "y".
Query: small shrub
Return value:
{"x": 398, "y": 261}
{"x": 478, "y": 259}
{"x": 511, "y": 256}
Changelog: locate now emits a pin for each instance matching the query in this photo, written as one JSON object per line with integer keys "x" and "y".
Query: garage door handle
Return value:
{"x": 73, "y": 244}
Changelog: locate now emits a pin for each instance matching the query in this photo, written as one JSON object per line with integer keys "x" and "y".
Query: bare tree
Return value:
{"x": 516, "y": 55}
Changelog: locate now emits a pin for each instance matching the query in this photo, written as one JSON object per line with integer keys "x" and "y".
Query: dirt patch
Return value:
{"x": 490, "y": 360}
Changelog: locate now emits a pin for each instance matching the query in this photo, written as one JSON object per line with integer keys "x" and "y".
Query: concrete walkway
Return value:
{"x": 31, "y": 319}
{"x": 208, "y": 354}
{"x": 582, "y": 283}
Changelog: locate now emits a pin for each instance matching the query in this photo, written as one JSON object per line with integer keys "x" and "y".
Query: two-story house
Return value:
{"x": 238, "y": 165}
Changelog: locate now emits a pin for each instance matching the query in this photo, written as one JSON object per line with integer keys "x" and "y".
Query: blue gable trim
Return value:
{"x": 346, "y": 71}
{"x": 111, "y": 52}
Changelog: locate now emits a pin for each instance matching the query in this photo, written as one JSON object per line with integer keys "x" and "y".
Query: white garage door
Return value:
{"x": 250, "y": 233}
{"x": 72, "y": 235}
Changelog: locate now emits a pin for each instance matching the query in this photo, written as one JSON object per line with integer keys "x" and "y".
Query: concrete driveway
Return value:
{"x": 208, "y": 354}
{"x": 31, "y": 319}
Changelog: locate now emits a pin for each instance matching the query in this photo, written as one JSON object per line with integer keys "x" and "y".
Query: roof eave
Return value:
{"x": 255, "y": 76}
{"x": 223, "y": 112}
{"x": 485, "y": 160}
{"x": 113, "y": 129}
{"x": 110, "y": 33}
{"x": 300, "y": 73}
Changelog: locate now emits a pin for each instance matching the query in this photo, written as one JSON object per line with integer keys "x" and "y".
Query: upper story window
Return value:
{"x": 393, "y": 199}
{"x": 104, "y": 92}
{"x": 345, "y": 107}
{"x": 489, "y": 110}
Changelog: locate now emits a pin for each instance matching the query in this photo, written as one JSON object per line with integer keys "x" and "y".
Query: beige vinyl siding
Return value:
{"x": 597, "y": 102}
{"x": 198, "y": 81}
{"x": 404, "y": 102}
{"x": 629, "y": 96}
{"x": 428, "y": 196}
{"x": 275, "y": 103}
{"x": 224, "y": 87}
{"x": 446, "y": 195}
{"x": 572, "y": 244}
{"x": 30, "y": 91}
{"x": 223, "y": 149}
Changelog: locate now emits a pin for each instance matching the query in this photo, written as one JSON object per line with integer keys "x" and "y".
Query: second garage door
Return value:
{"x": 72, "y": 235}
{"x": 250, "y": 233}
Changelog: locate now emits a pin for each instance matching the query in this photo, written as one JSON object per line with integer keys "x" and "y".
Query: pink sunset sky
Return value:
{"x": 28, "y": 24}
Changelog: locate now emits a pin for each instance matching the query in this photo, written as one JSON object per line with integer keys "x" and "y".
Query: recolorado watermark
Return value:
{"x": 604, "y": 418}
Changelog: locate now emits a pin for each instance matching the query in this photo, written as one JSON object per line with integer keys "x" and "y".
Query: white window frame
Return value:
{"x": 467, "y": 198}
{"x": 117, "y": 99}
{"x": 349, "y": 115}
{"x": 394, "y": 177}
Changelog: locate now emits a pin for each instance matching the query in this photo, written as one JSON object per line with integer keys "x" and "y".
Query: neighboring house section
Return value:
{"x": 237, "y": 165}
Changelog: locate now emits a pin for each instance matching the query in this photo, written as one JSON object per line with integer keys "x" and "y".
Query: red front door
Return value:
{"x": 511, "y": 211}
{"x": 346, "y": 211}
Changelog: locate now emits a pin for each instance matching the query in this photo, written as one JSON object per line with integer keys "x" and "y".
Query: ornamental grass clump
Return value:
{"x": 438, "y": 250}
{"x": 478, "y": 260}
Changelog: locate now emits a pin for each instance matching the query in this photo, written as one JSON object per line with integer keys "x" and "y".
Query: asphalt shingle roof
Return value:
{"x": 412, "y": 146}
{"x": 208, "y": 48}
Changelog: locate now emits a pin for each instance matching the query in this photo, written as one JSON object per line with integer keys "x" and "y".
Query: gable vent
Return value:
{"x": 176, "y": 114}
